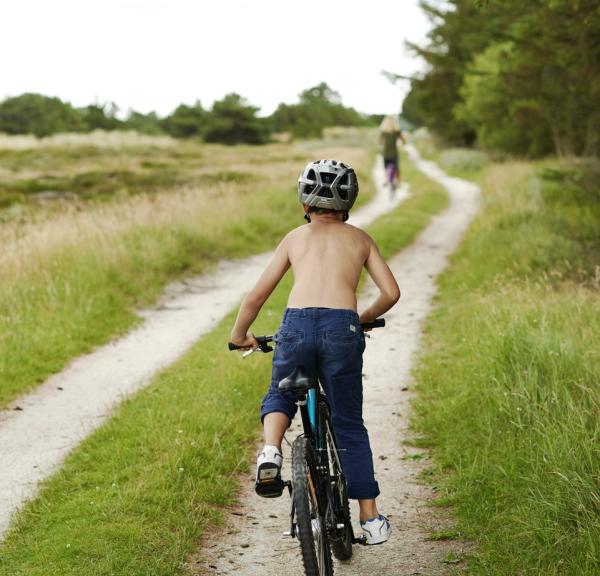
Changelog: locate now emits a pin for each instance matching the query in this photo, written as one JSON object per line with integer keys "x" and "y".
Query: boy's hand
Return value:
{"x": 246, "y": 343}
{"x": 364, "y": 319}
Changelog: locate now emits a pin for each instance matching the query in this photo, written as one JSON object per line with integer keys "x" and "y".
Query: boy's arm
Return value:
{"x": 254, "y": 300}
{"x": 389, "y": 293}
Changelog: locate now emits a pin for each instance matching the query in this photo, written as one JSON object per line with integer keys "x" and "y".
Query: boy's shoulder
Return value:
{"x": 298, "y": 233}
{"x": 306, "y": 229}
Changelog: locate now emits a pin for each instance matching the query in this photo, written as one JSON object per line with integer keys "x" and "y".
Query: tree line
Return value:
{"x": 520, "y": 77}
{"x": 230, "y": 120}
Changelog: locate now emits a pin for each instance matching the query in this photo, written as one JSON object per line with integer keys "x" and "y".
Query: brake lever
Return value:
{"x": 262, "y": 347}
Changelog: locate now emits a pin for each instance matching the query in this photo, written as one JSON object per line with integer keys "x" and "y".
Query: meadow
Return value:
{"x": 92, "y": 227}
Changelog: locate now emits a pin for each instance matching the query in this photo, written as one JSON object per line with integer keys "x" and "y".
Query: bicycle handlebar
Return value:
{"x": 379, "y": 323}
{"x": 263, "y": 344}
{"x": 263, "y": 341}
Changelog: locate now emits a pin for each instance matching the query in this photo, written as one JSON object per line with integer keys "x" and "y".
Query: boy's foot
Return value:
{"x": 376, "y": 530}
{"x": 268, "y": 472}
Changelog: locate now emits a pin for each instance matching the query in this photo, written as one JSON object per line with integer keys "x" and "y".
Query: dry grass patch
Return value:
{"x": 72, "y": 272}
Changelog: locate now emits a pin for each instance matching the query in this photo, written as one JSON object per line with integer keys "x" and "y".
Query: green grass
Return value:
{"x": 508, "y": 388}
{"x": 459, "y": 162}
{"x": 78, "y": 285}
{"x": 135, "y": 497}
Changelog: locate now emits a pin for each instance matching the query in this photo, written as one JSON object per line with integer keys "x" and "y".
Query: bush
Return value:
{"x": 185, "y": 121}
{"x": 464, "y": 160}
{"x": 144, "y": 123}
{"x": 319, "y": 107}
{"x": 101, "y": 117}
{"x": 37, "y": 114}
{"x": 233, "y": 121}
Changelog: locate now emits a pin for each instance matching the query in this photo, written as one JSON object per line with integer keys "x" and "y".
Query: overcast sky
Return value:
{"x": 155, "y": 54}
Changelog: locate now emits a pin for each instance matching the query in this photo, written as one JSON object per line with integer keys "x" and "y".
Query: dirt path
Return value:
{"x": 253, "y": 544}
{"x": 41, "y": 428}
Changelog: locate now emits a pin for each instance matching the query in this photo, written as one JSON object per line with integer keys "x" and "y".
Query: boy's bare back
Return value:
{"x": 327, "y": 259}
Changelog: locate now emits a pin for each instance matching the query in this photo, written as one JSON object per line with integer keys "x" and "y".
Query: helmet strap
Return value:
{"x": 307, "y": 217}
{"x": 346, "y": 216}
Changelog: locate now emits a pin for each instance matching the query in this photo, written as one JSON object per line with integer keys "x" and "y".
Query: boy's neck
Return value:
{"x": 326, "y": 218}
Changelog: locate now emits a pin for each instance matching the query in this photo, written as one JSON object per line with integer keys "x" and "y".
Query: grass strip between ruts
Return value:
{"x": 135, "y": 496}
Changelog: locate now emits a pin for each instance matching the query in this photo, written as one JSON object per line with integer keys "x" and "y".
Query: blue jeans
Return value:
{"x": 329, "y": 343}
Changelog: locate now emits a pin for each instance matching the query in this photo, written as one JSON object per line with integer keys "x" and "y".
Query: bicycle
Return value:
{"x": 319, "y": 507}
{"x": 390, "y": 172}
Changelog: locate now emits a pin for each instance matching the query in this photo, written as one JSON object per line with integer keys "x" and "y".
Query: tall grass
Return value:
{"x": 137, "y": 494}
{"x": 509, "y": 395}
{"x": 459, "y": 162}
{"x": 72, "y": 277}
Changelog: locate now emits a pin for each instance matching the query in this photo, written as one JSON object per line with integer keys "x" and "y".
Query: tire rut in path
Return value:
{"x": 252, "y": 542}
{"x": 53, "y": 419}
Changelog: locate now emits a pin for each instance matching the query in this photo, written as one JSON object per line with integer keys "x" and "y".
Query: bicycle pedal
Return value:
{"x": 360, "y": 540}
{"x": 270, "y": 488}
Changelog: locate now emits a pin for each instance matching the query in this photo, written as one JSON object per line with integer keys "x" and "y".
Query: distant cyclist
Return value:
{"x": 321, "y": 329}
{"x": 389, "y": 136}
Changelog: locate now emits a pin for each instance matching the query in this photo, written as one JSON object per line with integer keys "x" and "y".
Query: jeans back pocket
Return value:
{"x": 288, "y": 336}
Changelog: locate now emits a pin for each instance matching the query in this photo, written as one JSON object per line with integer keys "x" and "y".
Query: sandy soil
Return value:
{"x": 41, "y": 428}
{"x": 252, "y": 541}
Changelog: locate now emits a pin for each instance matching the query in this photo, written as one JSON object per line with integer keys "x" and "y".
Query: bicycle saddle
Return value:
{"x": 298, "y": 381}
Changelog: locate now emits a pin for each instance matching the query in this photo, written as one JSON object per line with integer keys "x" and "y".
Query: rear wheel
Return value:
{"x": 312, "y": 532}
{"x": 341, "y": 538}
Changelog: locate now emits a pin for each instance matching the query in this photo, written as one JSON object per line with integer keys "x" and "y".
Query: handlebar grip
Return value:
{"x": 263, "y": 344}
{"x": 378, "y": 323}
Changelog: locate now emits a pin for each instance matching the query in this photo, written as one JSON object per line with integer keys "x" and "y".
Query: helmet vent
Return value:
{"x": 327, "y": 177}
{"x": 325, "y": 192}
{"x": 311, "y": 176}
{"x": 344, "y": 182}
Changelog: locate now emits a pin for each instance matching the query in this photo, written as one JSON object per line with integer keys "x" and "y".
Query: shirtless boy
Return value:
{"x": 321, "y": 328}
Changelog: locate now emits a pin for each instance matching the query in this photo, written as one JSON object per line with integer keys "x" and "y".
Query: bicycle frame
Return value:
{"x": 312, "y": 414}
{"x": 308, "y": 411}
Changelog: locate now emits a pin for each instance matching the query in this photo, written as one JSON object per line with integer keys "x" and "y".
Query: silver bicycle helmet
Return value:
{"x": 328, "y": 184}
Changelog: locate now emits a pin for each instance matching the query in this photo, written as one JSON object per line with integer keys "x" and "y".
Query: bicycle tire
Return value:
{"x": 341, "y": 544}
{"x": 314, "y": 543}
